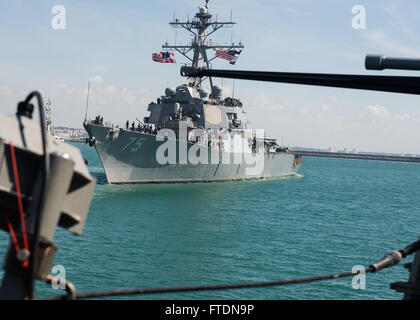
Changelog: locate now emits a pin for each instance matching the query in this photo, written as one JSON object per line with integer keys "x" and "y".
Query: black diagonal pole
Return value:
{"x": 399, "y": 84}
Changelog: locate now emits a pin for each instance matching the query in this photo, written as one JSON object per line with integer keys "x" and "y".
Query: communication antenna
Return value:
{"x": 233, "y": 86}
{"x": 87, "y": 101}
{"x": 233, "y": 89}
{"x": 200, "y": 29}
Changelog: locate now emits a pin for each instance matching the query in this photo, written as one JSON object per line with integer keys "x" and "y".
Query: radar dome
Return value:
{"x": 182, "y": 88}
{"x": 216, "y": 92}
{"x": 169, "y": 92}
{"x": 203, "y": 93}
{"x": 203, "y": 10}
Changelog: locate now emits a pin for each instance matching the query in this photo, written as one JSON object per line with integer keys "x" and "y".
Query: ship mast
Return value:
{"x": 201, "y": 27}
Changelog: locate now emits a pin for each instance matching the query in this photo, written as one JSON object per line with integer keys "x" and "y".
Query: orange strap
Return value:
{"x": 12, "y": 231}
{"x": 19, "y": 199}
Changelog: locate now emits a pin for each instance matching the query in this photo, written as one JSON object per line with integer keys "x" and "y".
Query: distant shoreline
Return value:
{"x": 78, "y": 140}
{"x": 358, "y": 156}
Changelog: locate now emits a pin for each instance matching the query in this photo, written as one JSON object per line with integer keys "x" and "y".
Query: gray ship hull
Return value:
{"x": 130, "y": 157}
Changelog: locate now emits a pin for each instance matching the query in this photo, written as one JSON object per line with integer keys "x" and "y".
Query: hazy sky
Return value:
{"x": 111, "y": 42}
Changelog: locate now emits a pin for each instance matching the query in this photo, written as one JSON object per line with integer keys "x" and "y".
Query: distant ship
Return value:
{"x": 49, "y": 122}
{"x": 191, "y": 134}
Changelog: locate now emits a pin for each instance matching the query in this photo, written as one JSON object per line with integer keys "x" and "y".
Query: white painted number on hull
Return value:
{"x": 135, "y": 144}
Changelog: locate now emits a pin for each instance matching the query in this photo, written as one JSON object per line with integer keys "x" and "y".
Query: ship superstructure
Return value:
{"x": 191, "y": 134}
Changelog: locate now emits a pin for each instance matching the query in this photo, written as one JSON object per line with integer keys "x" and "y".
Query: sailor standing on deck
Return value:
{"x": 127, "y": 124}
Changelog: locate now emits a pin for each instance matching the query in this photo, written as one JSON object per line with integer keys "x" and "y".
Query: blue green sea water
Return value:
{"x": 337, "y": 213}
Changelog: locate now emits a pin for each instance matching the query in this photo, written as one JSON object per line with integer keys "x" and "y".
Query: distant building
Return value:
{"x": 69, "y": 134}
{"x": 332, "y": 149}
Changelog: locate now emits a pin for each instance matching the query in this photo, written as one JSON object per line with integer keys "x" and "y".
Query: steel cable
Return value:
{"x": 388, "y": 260}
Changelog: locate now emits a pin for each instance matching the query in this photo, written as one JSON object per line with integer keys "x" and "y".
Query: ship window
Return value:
{"x": 232, "y": 116}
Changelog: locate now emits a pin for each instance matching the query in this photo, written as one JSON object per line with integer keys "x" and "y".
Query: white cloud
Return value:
{"x": 263, "y": 102}
{"x": 396, "y": 11}
{"x": 407, "y": 117}
{"x": 325, "y": 107}
{"x": 5, "y": 92}
{"x": 375, "y": 114}
{"x": 402, "y": 117}
{"x": 115, "y": 97}
{"x": 304, "y": 111}
{"x": 110, "y": 89}
{"x": 332, "y": 99}
{"x": 96, "y": 79}
{"x": 378, "y": 111}
{"x": 114, "y": 103}
{"x": 380, "y": 39}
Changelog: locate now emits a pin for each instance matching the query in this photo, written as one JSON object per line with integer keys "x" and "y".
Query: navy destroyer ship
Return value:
{"x": 191, "y": 134}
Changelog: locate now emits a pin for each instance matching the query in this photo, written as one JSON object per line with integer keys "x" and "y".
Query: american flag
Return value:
{"x": 164, "y": 57}
{"x": 230, "y": 55}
